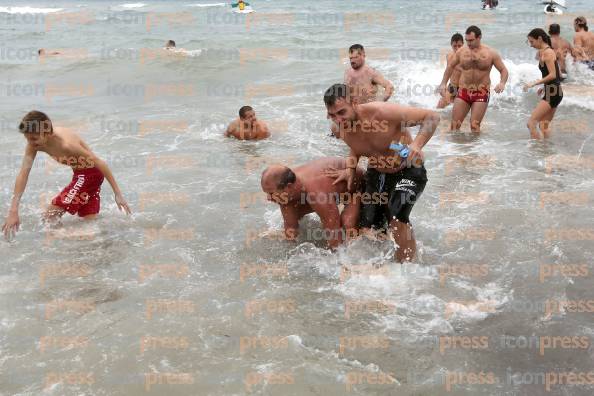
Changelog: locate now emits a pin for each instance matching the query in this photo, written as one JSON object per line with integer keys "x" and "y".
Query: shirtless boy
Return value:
{"x": 81, "y": 196}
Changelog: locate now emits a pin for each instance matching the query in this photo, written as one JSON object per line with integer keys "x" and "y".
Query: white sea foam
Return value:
{"x": 29, "y": 10}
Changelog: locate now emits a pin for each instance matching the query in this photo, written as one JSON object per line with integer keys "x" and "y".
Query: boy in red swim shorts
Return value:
{"x": 81, "y": 196}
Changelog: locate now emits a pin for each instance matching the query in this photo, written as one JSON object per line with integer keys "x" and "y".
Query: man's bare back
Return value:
{"x": 561, "y": 48}
{"x": 584, "y": 43}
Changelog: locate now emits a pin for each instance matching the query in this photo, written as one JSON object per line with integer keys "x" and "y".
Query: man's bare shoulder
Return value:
{"x": 68, "y": 135}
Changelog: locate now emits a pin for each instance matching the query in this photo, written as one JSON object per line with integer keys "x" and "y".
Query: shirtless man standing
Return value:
{"x": 476, "y": 60}
{"x": 364, "y": 79}
{"x": 370, "y": 130}
{"x": 583, "y": 42}
{"x": 307, "y": 189}
{"x": 456, "y": 42}
{"x": 560, "y": 45}
{"x": 247, "y": 126}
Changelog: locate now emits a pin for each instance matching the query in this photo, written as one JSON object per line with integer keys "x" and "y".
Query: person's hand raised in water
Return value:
{"x": 11, "y": 225}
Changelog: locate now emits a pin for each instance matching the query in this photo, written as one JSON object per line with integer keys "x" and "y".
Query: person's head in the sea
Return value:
{"x": 247, "y": 115}
{"x": 357, "y": 56}
{"x": 554, "y": 29}
{"x": 457, "y": 41}
{"x": 473, "y": 37}
{"x": 170, "y": 44}
{"x": 580, "y": 24}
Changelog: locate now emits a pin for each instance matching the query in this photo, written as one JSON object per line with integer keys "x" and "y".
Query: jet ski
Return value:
{"x": 553, "y": 7}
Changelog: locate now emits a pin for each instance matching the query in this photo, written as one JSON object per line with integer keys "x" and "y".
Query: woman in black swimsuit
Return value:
{"x": 551, "y": 78}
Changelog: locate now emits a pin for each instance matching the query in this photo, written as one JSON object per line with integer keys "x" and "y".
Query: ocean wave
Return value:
{"x": 207, "y": 5}
{"x": 133, "y": 5}
{"x": 28, "y": 10}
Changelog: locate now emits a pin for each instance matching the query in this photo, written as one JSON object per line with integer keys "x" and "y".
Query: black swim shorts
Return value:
{"x": 398, "y": 194}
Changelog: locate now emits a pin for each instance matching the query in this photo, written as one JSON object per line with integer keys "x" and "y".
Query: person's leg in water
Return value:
{"x": 459, "y": 113}
{"x": 405, "y": 239}
{"x": 52, "y": 215}
{"x": 477, "y": 113}
{"x": 545, "y": 123}
{"x": 539, "y": 113}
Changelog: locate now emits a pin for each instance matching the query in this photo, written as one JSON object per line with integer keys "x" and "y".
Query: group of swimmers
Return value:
{"x": 380, "y": 198}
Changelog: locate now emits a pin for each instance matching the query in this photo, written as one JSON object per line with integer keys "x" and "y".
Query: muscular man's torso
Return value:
{"x": 476, "y": 67}
{"x": 361, "y": 83}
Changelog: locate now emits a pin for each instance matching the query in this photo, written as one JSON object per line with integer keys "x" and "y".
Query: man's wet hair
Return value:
{"x": 334, "y": 93}
{"x": 170, "y": 43}
{"x": 457, "y": 37}
{"x": 35, "y": 122}
{"x": 581, "y": 22}
{"x": 288, "y": 176}
{"x": 243, "y": 111}
{"x": 554, "y": 28}
{"x": 356, "y": 47}
{"x": 474, "y": 29}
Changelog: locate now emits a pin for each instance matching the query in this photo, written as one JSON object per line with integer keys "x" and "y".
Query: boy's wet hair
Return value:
{"x": 457, "y": 37}
{"x": 336, "y": 92}
{"x": 36, "y": 122}
{"x": 170, "y": 43}
{"x": 243, "y": 111}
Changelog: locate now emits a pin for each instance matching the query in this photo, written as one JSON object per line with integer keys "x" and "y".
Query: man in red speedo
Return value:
{"x": 81, "y": 196}
{"x": 476, "y": 60}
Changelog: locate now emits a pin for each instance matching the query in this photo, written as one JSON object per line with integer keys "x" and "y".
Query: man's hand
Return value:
{"x": 122, "y": 204}
{"x": 499, "y": 87}
{"x": 415, "y": 155}
{"x": 11, "y": 225}
{"x": 341, "y": 175}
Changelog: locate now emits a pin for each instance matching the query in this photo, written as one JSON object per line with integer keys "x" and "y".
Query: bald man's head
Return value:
{"x": 276, "y": 178}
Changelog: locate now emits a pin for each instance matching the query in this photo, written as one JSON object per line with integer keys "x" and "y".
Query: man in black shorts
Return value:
{"x": 377, "y": 130}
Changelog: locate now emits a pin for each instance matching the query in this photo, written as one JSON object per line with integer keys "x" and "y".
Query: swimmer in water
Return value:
{"x": 551, "y": 78}
{"x": 247, "y": 126}
{"x": 456, "y": 42}
{"x": 476, "y": 60}
{"x": 308, "y": 189}
{"x": 42, "y": 52}
{"x": 81, "y": 196}
{"x": 364, "y": 79}
{"x": 170, "y": 45}
{"x": 371, "y": 130}
{"x": 583, "y": 42}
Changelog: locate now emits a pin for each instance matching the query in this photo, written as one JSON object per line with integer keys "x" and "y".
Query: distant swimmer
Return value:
{"x": 560, "y": 45}
{"x": 170, "y": 45}
{"x": 43, "y": 52}
{"x": 247, "y": 126}
{"x": 551, "y": 78}
{"x": 377, "y": 131}
{"x": 476, "y": 60}
{"x": 456, "y": 42}
{"x": 364, "y": 79}
{"x": 583, "y": 42}
{"x": 307, "y": 189}
{"x": 81, "y": 196}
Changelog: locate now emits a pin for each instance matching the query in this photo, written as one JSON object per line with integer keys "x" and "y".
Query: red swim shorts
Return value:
{"x": 82, "y": 194}
{"x": 470, "y": 95}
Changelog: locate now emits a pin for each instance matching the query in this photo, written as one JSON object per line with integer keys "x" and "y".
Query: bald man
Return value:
{"x": 309, "y": 188}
